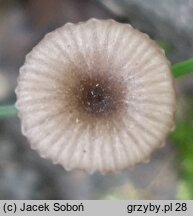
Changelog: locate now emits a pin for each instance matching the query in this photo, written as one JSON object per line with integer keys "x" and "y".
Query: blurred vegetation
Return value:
{"x": 7, "y": 111}
{"x": 183, "y": 137}
{"x": 165, "y": 45}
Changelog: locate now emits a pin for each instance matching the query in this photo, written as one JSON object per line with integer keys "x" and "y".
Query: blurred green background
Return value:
{"x": 23, "y": 174}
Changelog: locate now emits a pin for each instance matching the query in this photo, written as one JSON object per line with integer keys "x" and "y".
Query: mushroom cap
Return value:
{"x": 97, "y": 95}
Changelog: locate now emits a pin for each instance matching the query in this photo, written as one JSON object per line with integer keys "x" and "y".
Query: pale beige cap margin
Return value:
{"x": 42, "y": 101}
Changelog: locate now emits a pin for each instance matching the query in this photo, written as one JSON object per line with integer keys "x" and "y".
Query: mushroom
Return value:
{"x": 97, "y": 96}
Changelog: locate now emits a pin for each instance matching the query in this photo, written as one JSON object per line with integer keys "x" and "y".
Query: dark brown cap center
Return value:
{"x": 97, "y": 98}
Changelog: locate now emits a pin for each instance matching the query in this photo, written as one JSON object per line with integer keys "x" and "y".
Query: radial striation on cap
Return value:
{"x": 97, "y": 96}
